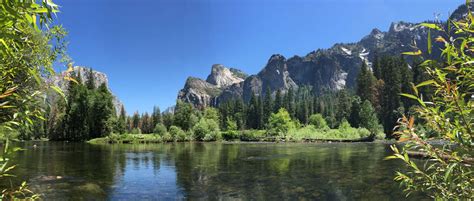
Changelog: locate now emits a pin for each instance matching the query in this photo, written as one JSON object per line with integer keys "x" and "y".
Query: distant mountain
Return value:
{"x": 324, "y": 69}
{"x": 99, "y": 78}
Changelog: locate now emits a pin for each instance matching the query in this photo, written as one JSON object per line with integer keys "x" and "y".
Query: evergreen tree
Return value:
{"x": 252, "y": 113}
{"x": 390, "y": 102}
{"x": 147, "y": 126}
{"x": 366, "y": 84}
{"x": 354, "y": 118}
{"x": 184, "y": 116}
{"x": 76, "y": 124}
{"x": 278, "y": 101}
{"x": 368, "y": 118}
{"x": 90, "y": 81}
{"x": 376, "y": 67}
{"x": 406, "y": 80}
{"x": 259, "y": 115}
{"x": 168, "y": 119}
{"x": 267, "y": 106}
{"x": 135, "y": 120}
{"x": 344, "y": 104}
{"x": 103, "y": 111}
{"x": 156, "y": 116}
{"x": 122, "y": 121}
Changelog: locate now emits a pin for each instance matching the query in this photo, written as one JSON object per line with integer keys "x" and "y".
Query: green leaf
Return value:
{"x": 414, "y": 53}
{"x": 430, "y": 25}
{"x": 409, "y": 96}
{"x": 427, "y": 82}
{"x": 429, "y": 41}
{"x": 59, "y": 91}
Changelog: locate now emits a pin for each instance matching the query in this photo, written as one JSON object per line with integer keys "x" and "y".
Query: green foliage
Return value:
{"x": 368, "y": 118}
{"x": 230, "y": 135}
{"x": 160, "y": 129}
{"x": 177, "y": 134}
{"x": 366, "y": 84}
{"x": 280, "y": 123}
{"x": 88, "y": 113}
{"x": 211, "y": 113}
{"x": 206, "y": 130}
{"x": 448, "y": 172}
{"x": 184, "y": 116}
{"x": 136, "y": 131}
{"x": 231, "y": 125}
{"x": 318, "y": 122}
{"x": 312, "y": 133}
{"x": 26, "y": 56}
{"x": 253, "y": 135}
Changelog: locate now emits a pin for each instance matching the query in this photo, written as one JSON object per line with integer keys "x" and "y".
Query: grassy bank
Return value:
{"x": 304, "y": 134}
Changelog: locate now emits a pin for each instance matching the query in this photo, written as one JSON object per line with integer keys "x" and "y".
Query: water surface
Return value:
{"x": 209, "y": 171}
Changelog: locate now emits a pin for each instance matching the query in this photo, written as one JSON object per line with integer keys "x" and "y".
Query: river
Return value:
{"x": 209, "y": 171}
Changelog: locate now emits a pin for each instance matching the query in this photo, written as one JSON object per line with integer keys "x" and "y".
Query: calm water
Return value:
{"x": 211, "y": 171}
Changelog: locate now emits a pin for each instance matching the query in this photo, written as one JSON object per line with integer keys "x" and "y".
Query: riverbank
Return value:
{"x": 300, "y": 135}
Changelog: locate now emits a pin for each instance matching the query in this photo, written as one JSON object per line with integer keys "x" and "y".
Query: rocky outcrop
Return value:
{"x": 99, "y": 78}
{"x": 223, "y": 77}
{"x": 323, "y": 69}
{"x": 222, "y": 81}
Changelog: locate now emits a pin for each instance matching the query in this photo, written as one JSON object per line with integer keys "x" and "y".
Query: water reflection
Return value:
{"x": 209, "y": 171}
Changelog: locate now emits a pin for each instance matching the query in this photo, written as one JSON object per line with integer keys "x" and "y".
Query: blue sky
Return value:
{"x": 149, "y": 47}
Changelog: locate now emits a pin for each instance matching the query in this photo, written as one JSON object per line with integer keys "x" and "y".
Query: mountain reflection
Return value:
{"x": 209, "y": 171}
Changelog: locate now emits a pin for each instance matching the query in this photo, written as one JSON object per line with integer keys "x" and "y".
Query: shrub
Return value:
{"x": 230, "y": 135}
{"x": 252, "y": 135}
{"x": 344, "y": 126}
{"x": 167, "y": 137}
{"x": 160, "y": 129}
{"x": 177, "y": 133}
{"x": 318, "y": 122}
{"x": 136, "y": 131}
{"x": 207, "y": 127}
{"x": 280, "y": 123}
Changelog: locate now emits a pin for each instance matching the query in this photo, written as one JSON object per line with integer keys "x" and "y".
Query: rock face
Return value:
{"x": 99, "y": 77}
{"x": 206, "y": 92}
{"x": 323, "y": 69}
{"x": 223, "y": 77}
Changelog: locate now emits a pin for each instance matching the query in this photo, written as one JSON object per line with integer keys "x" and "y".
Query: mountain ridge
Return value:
{"x": 333, "y": 69}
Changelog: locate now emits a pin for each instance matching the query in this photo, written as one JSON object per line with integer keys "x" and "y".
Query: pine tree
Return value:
{"x": 252, "y": 113}
{"x": 76, "y": 124}
{"x": 90, "y": 81}
{"x": 366, "y": 82}
{"x": 354, "y": 118}
{"x": 135, "y": 120}
{"x": 376, "y": 67}
{"x": 390, "y": 102}
{"x": 267, "y": 106}
{"x": 278, "y": 101}
{"x": 259, "y": 111}
{"x": 156, "y": 116}
{"x": 103, "y": 110}
{"x": 122, "y": 121}
{"x": 344, "y": 104}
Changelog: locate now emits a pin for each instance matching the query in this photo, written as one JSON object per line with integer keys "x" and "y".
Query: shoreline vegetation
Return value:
{"x": 305, "y": 134}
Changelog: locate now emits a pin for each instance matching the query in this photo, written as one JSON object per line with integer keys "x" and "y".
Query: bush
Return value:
{"x": 167, "y": 137}
{"x": 136, "y": 131}
{"x": 252, "y": 135}
{"x": 318, "y": 122}
{"x": 280, "y": 123}
{"x": 160, "y": 129}
{"x": 344, "y": 126}
{"x": 212, "y": 136}
{"x": 230, "y": 135}
{"x": 177, "y": 133}
{"x": 206, "y": 130}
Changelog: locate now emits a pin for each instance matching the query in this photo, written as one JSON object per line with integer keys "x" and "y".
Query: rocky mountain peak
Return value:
{"x": 223, "y": 77}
